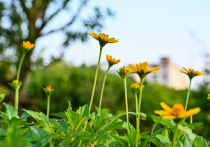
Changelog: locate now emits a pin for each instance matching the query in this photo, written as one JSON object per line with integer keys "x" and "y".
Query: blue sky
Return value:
{"x": 147, "y": 30}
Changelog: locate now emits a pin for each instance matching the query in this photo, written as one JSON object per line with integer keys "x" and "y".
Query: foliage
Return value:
{"x": 33, "y": 19}
{"x": 67, "y": 77}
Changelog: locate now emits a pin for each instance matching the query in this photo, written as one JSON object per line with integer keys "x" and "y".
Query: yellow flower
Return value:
{"x": 111, "y": 60}
{"x": 176, "y": 112}
{"x": 135, "y": 87}
{"x": 103, "y": 38}
{"x": 123, "y": 72}
{"x": 191, "y": 73}
{"x": 27, "y": 45}
{"x": 208, "y": 98}
{"x": 49, "y": 88}
{"x": 142, "y": 69}
{"x": 15, "y": 81}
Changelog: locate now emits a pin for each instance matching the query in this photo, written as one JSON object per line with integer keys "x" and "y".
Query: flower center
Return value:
{"x": 105, "y": 34}
{"x": 177, "y": 109}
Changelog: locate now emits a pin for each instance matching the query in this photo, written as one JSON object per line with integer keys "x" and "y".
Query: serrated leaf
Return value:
{"x": 184, "y": 139}
{"x": 187, "y": 131}
{"x": 24, "y": 115}
{"x": 60, "y": 126}
{"x": 32, "y": 135}
{"x": 116, "y": 124}
{"x": 10, "y": 111}
{"x": 163, "y": 139}
{"x": 83, "y": 111}
{"x": 75, "y": 120}
{"x": 117, "y": 138}
{"x": 199, "y": 142}
{"x": 60, "y": 114}
{"x": 151, "y": 136}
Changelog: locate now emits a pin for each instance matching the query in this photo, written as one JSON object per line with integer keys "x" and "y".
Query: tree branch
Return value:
{"x": 44, "y": 23}
{"x": 25, "y": 9}
{"x": 69, "y": 23}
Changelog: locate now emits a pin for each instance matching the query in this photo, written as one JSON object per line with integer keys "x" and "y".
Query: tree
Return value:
{"x": 26, "y": 19}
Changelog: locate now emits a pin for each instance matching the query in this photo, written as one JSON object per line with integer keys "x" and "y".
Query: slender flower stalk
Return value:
{"x": 48, "y": 106}
{"x": 135, "y": 88}
{"x": 176, "y": 131}
{"x": 111, "y": 61}
{"x": 136, "y": 100}
{"x": 20, "y": 65}
{"x": 188, "y": 95}
{"x": 96, "y": 74}
{"x": 103, "y": 39}
{"x": 142, "y": 69}
{"x": 126, "y": 99}
{"x": 152, "y": 131}
{"x": 138, "y": 124}
{"x": 16, "y": 98}
{"x": 48, "y": 91}
{"x": 102, "y": 91}
{"x": 191, "y": 73}
{"x": 16, "y": 83}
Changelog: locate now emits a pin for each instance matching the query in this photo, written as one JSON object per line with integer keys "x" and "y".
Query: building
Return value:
{"x": 169, "y": 75}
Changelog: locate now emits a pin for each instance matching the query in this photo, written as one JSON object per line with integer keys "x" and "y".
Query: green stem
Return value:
{"x": 96, "y": 74}
{"x": 20, "y": 65}
{"x": 188, "y": 94}
{"x": 136, "y": 99}
{"x": 126, "y": 99}
{"x": 175, "y": 135}
{"x": 16, "y": 98}
{"x": 138, "y": 124}
{"x": 48, "y": 106}
{"x": 94, "y": 86}
{"x": 18, "y": 75}
{"x": 102, "y": 91}
{"x": 153, "y": 128}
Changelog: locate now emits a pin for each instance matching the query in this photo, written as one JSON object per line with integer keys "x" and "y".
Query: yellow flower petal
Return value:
{"x": 161, "y": 112}
{"x": 165, "y": 107}
{"x": 169, "y": 117}
{"x": 190, "y": 112}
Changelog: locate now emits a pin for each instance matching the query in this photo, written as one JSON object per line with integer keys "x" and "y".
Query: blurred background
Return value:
{"x": 170, "y": 35}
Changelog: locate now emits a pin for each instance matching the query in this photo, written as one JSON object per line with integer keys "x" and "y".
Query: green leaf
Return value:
{"x": 163, "y": 139}
{"x": 185, "y": 141}
{"x": 83, "y": 111}
{"x": 187, "y": 131}
{"x": 75, "y": 120}
{"x": 159, "y": 119}
{"x": 144, "y": 135}
{"x": 3, "y": 132}
{"x": 24, "y": 115}
{"x": 14, "y": 138}
{"x": 199, "y": 142}
{"x": 32, "y": 135}
{"x": 42, "y": 119}
{"x": 117, "y": 138}
{"x": 151, "y": 136}
{"x": 191, "y": 126}
{"x": 131, "y": 137}
{"x": 10, "y": 111}
{"x": 116, "y": 124}
{"x": 60, "y": 114}
{"x": 143, "y": 116}
{"x": 61, "y": 126}
{"x": 156, "y": 142}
